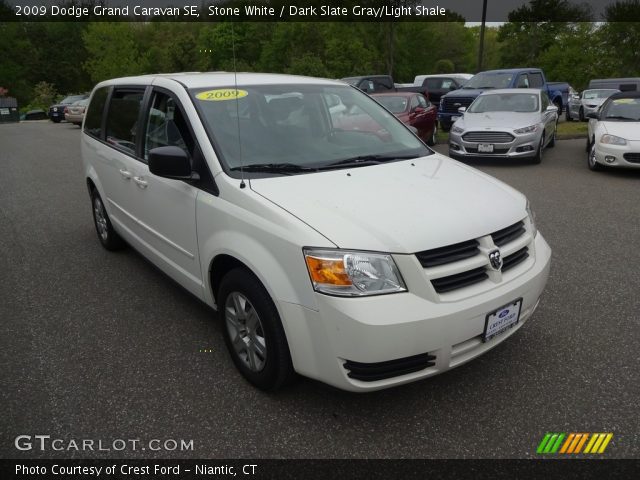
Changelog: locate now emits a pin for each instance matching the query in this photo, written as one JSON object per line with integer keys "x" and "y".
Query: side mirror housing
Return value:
{"x": 171, "y": 162}
{"x": 462, "y": 109}
{"x": 594, "y": 115}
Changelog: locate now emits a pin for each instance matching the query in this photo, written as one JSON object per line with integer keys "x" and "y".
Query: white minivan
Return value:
{"x": 332, "y": 241}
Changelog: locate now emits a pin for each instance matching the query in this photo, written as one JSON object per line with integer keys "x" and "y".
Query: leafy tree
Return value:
{"x": 112, "y": 51}
{"x": 443, "y": 65}
{"x": 535, "y": 27}
{"x": 621, "y": 38}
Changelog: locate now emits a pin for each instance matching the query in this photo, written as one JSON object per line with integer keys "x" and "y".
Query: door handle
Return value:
{"x": 125, "y": 173}
{"x": 140, "y": 181}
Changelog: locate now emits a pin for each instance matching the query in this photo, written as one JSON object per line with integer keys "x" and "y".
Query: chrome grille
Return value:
{"x": 488, "y": 137}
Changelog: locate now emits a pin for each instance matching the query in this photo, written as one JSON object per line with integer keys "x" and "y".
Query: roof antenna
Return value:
{"x": 235, "y": 81}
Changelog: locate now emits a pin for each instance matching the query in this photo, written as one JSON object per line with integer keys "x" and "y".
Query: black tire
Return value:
{"x": 274, "y": 369}
{"x": 55, "y": 120}
{"x": 552, "y": 142}
{"x": 588, "y": 147}
{"x": 445, "y": 128}
{"x": 567, "y": 114}
{"x": 433, "y": 140}
{"x": 538, "y": 158}
{"x": 581, "y": 115}
{"x": 558, "y": 103}
{"x": 591, "y": 160}
{"x": 108, "y": 237}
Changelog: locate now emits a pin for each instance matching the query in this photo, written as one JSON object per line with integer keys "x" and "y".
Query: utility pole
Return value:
{"x": 481, "y": 48}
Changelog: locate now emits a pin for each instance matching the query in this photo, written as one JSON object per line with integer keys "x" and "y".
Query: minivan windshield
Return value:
{"x": 287, "y": 129}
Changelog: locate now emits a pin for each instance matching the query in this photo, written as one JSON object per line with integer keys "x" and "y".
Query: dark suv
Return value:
{"x": 56, "y": 112}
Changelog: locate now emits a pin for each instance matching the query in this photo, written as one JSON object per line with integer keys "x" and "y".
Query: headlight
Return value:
{"x": 532, "y": 219}
{"x": 529, "y": 129}
{"x": 350, "y": 273}
{"x": 456, "y": 129}
{"x": 612, "y": 140}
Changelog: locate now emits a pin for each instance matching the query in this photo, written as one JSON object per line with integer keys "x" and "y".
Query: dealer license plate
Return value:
{"x": 485, "y": 147}
{"x": 501, "y": 320}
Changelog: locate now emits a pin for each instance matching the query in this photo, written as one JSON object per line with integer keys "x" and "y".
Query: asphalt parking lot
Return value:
{"x": 103, "y": 346}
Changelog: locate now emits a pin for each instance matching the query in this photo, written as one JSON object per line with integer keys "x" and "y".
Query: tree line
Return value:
{"x": 41, "y": 60}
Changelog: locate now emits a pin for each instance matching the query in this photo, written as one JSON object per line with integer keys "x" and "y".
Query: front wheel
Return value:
{"x": 567, "y": 115}
{"x": 253, "y": 331}
{"x": 581, "y": 115}
{"x": 433, "y": 139}
{"x": 591, "y": 159}
{"x": 538, "y": 158}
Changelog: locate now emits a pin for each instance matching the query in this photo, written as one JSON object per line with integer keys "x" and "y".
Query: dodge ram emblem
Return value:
{"x": 495, "y": 259}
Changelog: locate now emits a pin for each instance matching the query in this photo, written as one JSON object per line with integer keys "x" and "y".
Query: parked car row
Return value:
{"x": 56, "y": 111}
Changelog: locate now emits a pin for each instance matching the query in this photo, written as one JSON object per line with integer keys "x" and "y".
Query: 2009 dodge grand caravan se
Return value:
{"x": 333, "y": 242}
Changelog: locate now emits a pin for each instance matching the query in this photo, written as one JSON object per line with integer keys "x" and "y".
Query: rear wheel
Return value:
{"x": 581, "y": 114}
{"x": 253, "y": 331}
{"x": 567, "y": 115}
{"x": 432, "y": 141}
{"x": 552, "y": 141}
{"x": 558, "y": 103}
{"x": 108, "y": 237}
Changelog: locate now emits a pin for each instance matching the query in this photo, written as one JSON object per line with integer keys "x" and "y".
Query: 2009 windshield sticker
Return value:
{"x": 221, "y": 94}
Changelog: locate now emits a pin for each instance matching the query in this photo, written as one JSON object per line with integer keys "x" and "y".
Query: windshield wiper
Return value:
{"x": 363, "y": 160}
{"x": 274, "y": 168}
{"x": 620, "y": 117}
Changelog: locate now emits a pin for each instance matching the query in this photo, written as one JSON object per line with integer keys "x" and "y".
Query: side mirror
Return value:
{"x": 594, "y": 115}
{"x": 171, "y": 162}
{"x": 418, "y": 110}
{"x": 462, "y": 109}
{"x": 552, "y": 108}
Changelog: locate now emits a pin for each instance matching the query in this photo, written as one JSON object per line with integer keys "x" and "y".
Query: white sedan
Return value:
{"x": 613, "y": 137}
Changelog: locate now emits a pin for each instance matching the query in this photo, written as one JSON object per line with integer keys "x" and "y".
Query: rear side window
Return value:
{"x": 93, "y": 120}
{"x": 535, "y": 79}
{"x": 122, "y": 119}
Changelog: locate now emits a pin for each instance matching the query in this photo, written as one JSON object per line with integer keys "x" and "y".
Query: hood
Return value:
{"x": 627, "y": 130}
{"x": 399, "y": 207}
{"x": 503, "y": 120}
{"x": 461, "y": 92}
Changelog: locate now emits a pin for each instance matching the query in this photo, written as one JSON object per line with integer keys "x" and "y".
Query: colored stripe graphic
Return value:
{"x": 573, "y": 443}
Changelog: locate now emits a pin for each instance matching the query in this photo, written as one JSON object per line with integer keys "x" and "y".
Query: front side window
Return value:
{"x": 166, "y": 126}
{"x": 122, "y": 119}
{"x": 302, "y": 126}
{"x": 536, "y": 80}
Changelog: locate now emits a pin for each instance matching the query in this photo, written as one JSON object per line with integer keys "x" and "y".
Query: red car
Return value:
{"x": 412, "y": 109}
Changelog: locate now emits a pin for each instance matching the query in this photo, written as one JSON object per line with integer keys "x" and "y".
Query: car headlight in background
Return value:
{"x": 456, "y": 129}
{"x": 529, "y": 129}
{"x": 351, "y": 273}
{"x": 532, "y": 219}
{"x": 612, "y": 140}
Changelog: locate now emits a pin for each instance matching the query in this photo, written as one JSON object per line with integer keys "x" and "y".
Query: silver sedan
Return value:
{"x": 588, "y": 102}
{"x": 508, "y": 123}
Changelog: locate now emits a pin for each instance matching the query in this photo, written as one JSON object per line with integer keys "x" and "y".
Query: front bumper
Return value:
{"x": 614, "y": 155}
{"x": 389, "y": 327}
{"x": 523, "y": 146}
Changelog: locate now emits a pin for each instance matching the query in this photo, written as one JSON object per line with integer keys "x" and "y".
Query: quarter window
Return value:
{"x": 93, "y": 120}
{"x": 122, "y": 119}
